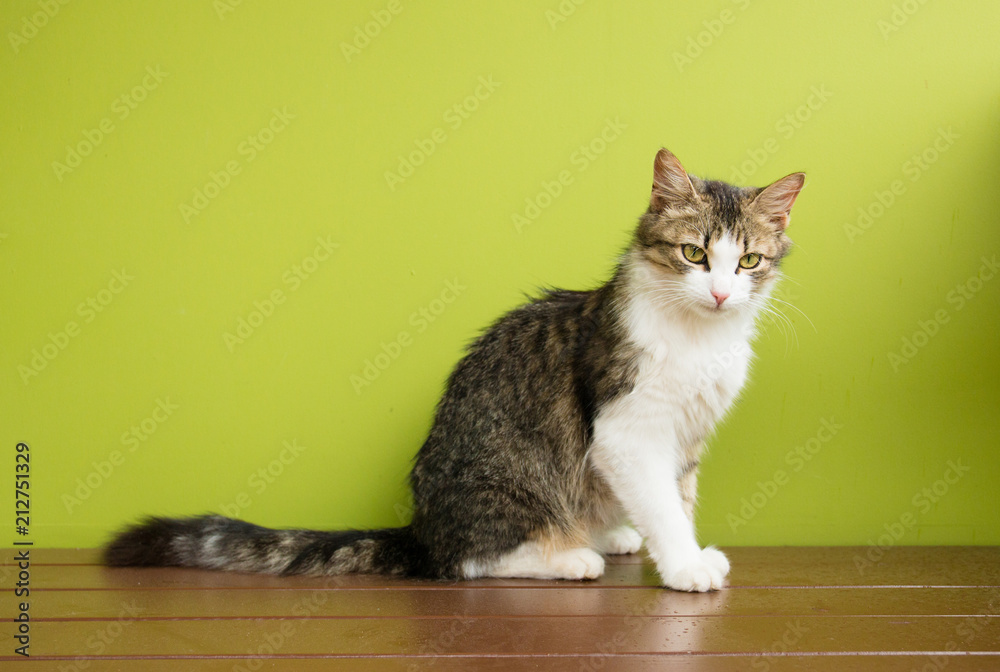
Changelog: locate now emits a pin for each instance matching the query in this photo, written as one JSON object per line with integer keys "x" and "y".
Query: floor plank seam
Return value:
{"x": 486, "y": 617}
{"x": 514, "y": 656}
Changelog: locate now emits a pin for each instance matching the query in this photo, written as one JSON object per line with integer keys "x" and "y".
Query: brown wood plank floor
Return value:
{"x": 921, "y": 609}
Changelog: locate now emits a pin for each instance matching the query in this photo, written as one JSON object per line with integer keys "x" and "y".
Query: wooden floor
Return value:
{"x": 920, "y": 609}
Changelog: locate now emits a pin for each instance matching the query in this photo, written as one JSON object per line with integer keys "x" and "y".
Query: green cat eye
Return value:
{"x": 751, "y": 260}
{"x": 693, "y": 253}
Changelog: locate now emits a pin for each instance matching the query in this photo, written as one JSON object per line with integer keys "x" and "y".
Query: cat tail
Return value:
{"x": 217, "y": 542}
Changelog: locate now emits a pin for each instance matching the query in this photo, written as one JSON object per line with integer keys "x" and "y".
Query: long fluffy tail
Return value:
{"x": 217, "y": 542}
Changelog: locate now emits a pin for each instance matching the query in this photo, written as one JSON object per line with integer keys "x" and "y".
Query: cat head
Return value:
{"x": 709, "y": 247}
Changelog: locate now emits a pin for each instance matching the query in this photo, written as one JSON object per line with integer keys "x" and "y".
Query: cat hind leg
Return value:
{"x": 621, "y": 540}
{"x": 532, "y": 560}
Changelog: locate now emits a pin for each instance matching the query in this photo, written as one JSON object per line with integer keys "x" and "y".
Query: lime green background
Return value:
{"x": 162, "y": 337}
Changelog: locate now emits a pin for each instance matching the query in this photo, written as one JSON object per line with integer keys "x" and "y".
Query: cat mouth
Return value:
{"x": 714, "y": 308}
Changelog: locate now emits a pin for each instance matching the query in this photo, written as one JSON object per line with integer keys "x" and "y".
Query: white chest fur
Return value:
{"x": 690, "y": 372}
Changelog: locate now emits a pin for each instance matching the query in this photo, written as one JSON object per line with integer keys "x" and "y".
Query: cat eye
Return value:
{"x": 694, "y": 254}
{"x": 751, "y": 260}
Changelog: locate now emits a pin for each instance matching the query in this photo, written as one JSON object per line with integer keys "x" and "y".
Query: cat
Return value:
{"x": 574, "y": 425}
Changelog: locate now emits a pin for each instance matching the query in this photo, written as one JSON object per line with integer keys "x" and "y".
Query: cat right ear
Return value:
{"x": 671, "y": 184}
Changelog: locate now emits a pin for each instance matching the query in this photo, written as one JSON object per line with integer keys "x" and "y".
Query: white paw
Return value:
{"x": 702, "y": 573}
{"x": 717, "y": 559}
{"x": 621, "y": 541}
{"x": 578, "y": 563}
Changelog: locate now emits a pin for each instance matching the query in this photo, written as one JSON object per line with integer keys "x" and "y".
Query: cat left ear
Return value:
{"x": 776, "y": 201}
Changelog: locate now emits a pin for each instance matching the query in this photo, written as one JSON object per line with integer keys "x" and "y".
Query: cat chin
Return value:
{"x": 714, "y": 312}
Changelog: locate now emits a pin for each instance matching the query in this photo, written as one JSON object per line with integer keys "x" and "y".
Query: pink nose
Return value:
{"x": 719, "y": 297}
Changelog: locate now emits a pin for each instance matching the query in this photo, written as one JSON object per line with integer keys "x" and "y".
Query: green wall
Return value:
{"x": 226, "y": 286}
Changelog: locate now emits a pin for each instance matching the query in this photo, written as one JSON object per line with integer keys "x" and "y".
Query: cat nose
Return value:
{"x": 719, "y": 297}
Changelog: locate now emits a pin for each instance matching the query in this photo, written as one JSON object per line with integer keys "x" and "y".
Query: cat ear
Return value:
{"x": 776, "y": 201}
{"x": 671, "y": 183}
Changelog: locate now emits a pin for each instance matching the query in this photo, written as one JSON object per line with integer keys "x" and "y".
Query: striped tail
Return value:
{"x": 217, "y": 542}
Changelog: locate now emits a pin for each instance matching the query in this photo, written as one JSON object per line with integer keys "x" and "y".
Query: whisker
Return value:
{"x": 797, "y": 309}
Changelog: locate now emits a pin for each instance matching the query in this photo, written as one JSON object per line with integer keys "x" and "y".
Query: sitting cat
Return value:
{"x": 569, "y": 416}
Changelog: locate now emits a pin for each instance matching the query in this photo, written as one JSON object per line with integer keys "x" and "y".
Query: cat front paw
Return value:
{"x": 717, "y": 559}
{"x": 702, "y": 573}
